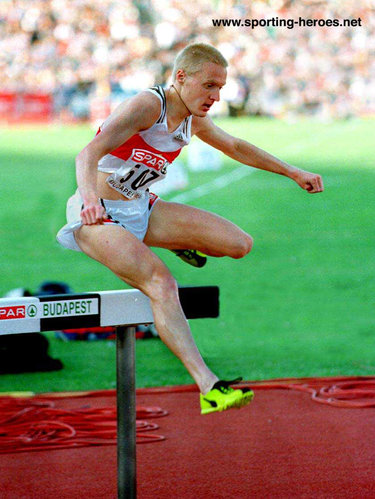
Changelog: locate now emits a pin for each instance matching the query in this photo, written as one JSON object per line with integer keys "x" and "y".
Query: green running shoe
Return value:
{"x": 192, "y": 257}
{"x": 223, "y": 397}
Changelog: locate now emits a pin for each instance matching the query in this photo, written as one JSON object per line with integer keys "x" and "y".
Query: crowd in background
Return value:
{"x": 84, "y": 51}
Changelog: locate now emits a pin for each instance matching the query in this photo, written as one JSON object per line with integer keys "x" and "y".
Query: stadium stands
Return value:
{"x": 88, "y": 56}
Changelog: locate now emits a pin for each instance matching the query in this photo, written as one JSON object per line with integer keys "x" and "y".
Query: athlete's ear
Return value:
{"x": 180, "y": 76}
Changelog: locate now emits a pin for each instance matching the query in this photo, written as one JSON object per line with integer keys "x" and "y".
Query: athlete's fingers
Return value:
{"x": 309, "y": 186}
{"x": 99, "y": 214}
{"x": 319, "y": 184}
{"x": 84, "y": 217}
{"x": 94, "y": 217}
{"x": 314, "y": 184}
{"x": 91, "y": 215}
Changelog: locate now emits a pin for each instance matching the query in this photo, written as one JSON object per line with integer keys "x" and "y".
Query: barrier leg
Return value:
{"x": 126, "y": 412}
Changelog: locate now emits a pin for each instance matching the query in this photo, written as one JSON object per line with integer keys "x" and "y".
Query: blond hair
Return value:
{"x": 192, "y": 57}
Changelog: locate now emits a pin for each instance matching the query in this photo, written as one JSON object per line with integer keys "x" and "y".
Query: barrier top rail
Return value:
{"x": 102, "y": 308}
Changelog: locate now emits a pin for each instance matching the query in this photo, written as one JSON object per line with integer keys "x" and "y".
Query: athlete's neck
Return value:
{"x": 179, "y": 103}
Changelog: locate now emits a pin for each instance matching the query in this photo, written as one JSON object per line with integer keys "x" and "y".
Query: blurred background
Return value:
{"x": 302, "y": 303}
{"x": 74, "y": 59}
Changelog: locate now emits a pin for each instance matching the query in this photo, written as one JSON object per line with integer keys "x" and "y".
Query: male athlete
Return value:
{"x": 115, "y": 219}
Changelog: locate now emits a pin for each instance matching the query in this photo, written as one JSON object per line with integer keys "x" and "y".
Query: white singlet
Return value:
{"x": 143, "y": 159}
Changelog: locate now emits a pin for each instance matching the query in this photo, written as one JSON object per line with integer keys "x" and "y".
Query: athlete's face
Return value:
{"x": 202, "y": 89}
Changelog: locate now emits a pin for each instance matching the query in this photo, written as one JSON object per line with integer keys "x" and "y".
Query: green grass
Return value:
{"x": 301, "y": 304}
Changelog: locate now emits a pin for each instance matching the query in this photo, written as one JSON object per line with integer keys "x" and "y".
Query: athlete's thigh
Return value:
{"x": 120, "y": 251}
{"x": 178, "y": 226}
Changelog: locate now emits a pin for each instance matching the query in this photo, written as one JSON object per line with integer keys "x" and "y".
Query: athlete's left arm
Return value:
{"x": 250, "y": 155}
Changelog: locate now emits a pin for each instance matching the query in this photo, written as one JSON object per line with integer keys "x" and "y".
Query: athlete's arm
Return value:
{"x": 250, "y": 155}
{"x": 128, "y": 119}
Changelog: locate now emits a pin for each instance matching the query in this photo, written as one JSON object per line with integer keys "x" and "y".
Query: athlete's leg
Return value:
{"x": 135, "y": 264}
{"x": 178, "y": 226}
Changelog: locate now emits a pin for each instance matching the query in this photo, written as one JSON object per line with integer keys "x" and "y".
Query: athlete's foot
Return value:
{"x": 222, "y": 397}
{"x": 192, "y": 257}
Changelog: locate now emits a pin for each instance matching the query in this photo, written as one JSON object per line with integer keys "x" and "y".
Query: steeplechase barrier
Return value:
{"x": 123, "y": 309}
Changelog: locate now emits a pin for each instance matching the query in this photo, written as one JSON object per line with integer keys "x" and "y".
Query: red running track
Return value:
{"x": 284, "y": 445}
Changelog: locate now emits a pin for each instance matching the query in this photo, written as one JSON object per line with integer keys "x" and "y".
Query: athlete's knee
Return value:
{"x": 243, "y": 246}
{"x": 162, "y": 286}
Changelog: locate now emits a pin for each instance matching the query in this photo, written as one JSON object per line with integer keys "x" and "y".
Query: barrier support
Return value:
{"x": 126, "y": 412}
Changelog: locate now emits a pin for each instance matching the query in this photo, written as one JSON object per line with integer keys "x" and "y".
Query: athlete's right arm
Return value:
{"x": 132, "y": 116}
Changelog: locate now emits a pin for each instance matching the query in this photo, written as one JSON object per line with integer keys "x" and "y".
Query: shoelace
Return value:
{"x": 225, "y": 389}
{"x": 224, "y": 386}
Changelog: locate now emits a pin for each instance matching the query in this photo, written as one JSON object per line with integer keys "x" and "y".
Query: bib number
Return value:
{"x": 137, "y": 181}
{"x": 134, "y": 180}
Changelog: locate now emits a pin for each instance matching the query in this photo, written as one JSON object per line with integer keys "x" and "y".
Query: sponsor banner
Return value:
{"x": 49, "y": 313}
{"x": 8, "y": 104}
{"x": 13, "y": 312}
{"x": 63, "y": 312}
{"x": 69, "y": 308}
{"x": 19, "y": 315}
{"x": 35, "y": 107}
{"x": 26, "y": 107}
{"x": 19, "y": 312}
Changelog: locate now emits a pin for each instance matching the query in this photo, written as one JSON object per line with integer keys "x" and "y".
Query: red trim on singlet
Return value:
{"x": 136, "y": 141}
{"x": 152, "y": 198}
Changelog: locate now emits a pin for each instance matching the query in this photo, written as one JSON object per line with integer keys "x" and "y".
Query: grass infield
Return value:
{"x": 301, "y": 304}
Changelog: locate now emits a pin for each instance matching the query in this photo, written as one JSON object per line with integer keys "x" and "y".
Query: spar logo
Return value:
{"x": 15, "y": 312}
{"x": 18, "y": 312}
{"x": 149, "y": 159}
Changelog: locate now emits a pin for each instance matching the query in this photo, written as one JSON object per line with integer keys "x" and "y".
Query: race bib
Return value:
{"x": 146, "y": 169}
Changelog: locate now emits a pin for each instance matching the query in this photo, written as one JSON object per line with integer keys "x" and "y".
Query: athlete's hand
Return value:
{"x": 311, "y": 182}
{"x": 92, "y": 213}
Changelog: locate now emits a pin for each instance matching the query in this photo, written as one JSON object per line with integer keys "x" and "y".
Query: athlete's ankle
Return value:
{"x": 208, "y": 385}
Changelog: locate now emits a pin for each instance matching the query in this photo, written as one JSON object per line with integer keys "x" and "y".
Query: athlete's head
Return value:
{"x": 199, "y": 73}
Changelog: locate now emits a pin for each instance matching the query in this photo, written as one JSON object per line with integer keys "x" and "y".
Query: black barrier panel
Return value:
{"x": 200, "y": 302}
{"x": 70, "y": 311}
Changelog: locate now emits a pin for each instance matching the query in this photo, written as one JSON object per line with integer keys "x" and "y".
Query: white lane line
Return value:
{"x": 213, "y": 185}
{"x": 229, "y": 177}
